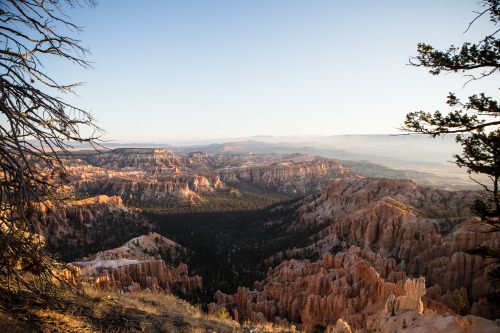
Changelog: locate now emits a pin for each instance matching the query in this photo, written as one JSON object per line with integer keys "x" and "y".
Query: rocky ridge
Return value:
{"x": 125, "y": 269}
{"x": 151, "y": 244}
{"x": 158, "y": 175}
{"x": 87, "y": 226}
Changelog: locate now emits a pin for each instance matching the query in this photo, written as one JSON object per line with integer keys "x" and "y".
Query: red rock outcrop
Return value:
{"x": 132, "y": 275}
{"x": 293, "y": 178}
{"x": 424, "y": 230}
{"x": 405, "y": 313}
{"x": 51, "y": 221}
{"x": 418, "y": 226}
{"x": 351, "y": 285}
{"x": 411, "y": 300}
{"x": 340, "y": 327}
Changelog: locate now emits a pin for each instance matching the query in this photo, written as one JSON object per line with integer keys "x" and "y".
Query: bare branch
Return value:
{"x": 38, "y": 127}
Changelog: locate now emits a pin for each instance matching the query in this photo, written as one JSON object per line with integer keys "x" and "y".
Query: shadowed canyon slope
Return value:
{"x": 88, "y": 226}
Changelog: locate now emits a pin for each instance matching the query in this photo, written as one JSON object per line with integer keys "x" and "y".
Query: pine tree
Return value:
{"x": 473, "y": 122}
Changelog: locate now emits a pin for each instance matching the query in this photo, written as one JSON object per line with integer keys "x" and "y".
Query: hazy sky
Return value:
{"x": 185, "y": 69}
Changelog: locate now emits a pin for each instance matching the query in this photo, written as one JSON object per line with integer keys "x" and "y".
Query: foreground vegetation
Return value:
{"x": 97, "y": 311}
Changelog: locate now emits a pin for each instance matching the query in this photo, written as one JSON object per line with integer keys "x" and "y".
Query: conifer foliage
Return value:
{"x": 474, "y": 121}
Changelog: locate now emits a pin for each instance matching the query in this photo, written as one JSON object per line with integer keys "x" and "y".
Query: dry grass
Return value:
{"x": 97, "y": 311}
{"x": 9, "y": 324}
{"x": 268, "y": 327}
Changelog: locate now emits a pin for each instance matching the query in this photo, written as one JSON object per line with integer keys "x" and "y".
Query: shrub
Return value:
{"x": 223, "y": 314}
{"x": 457, "y": 302}
{"x": 319, "y": 328}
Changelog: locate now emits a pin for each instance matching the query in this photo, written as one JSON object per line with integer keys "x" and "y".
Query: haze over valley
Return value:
{"x": 423, "y": 159}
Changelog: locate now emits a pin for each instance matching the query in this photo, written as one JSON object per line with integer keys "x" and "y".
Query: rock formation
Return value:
{"x": 426, "y": 230}
{"x": 412, "y": 300}
{"x": 350, "y": 285}
{"x": 406, "y": 313}
{"x": 51, "y": 221}
{"x": 89, "y": 225}
{"x": 292, "y": 178}
{"x": 340, "y": 327}
{"x": 146, "y": 245}
{"x": 147, "y": 274}
{"x": 157, "y": 175}
{"x": 123, "y": 270}
{"x": 156, "y": 188}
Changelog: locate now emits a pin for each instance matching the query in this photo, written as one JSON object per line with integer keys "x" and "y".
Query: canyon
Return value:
{"x": 290, "y": 239}
{"x": 159, "y": 177}
{"x": 407, "y": 230}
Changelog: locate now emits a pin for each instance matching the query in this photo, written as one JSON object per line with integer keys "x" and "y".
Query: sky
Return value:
{"x": 169, "y": 71}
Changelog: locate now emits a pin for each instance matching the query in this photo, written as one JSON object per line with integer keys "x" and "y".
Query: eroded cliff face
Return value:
{"x": 416, "y": 225}
{"x": 52, "y": 221}
{"x": 144, "y": 159}
{"x": 124, "y": 269}
{"x": 350, "y": 285}
{"x": 289, "y": 177}
{"x": 152, "y": 188}
{"x": 421, "y": 232}
{"x": 89, "y": 225}
{"x": 157, "y": 175}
